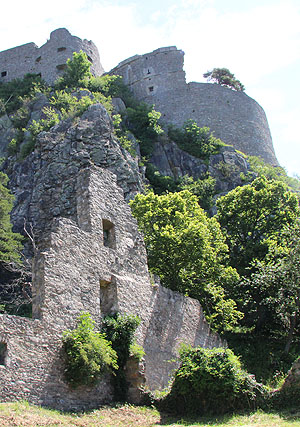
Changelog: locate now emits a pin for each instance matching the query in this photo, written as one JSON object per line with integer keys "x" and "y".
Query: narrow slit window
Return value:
{"x": 61, "y": 49}
{"x": 38, "y": 59}
{"x": 90, "y": 59}
{"x": 109, "y": 237}
{"x": 3, "y": 352}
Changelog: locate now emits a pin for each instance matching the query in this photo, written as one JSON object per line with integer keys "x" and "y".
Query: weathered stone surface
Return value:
{"x": 94, "y": 262}
{"x": 225, "y": 167}
{"x": 158, "y": 78}
{"x": 293, "y": 378}
{"x": 44, "y": 183}
{"x": 49, "y": 60}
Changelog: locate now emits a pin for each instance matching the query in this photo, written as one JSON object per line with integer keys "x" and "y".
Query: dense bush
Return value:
{"x": 88, "y": 353}
{"x": 211, "y": 381}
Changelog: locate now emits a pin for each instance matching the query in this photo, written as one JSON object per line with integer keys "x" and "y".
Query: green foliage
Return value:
{"x": 277, "y": 283}
{"x": 263, "y": 355}
{"x": 188, "y": 251}
{"x": 198, "y": 142}
{"x": 223, "y": 77}
{"x": 123, "y": 136}
{"x": 13, "y": 92}
{"x": 203, "y": 188}
{"x": 10, "y": 243}
{"x": 88, "y": 353}
{"x": 143, "y": 123}
{"x": 136, "y": 351}
{"x": 112, "y": 86}
{"x": 72, "y": 105}
{"x": 160, "y": 183}
{"x": 211, "y": 381}
{"x": 77, "y": 72}
{"x": 272, "y": 172}
{"x": 251, "y": 216}
{"x": 120, "y": 329}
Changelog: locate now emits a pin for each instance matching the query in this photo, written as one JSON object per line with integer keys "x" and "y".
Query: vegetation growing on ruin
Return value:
{"x": 223, "y": 77}
{"x": 88, "y": 353}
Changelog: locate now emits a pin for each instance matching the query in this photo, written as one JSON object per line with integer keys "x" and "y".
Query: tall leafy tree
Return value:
{"x": 10, "y": 243}
{"x": 254, "y": 215}
{"x": 187, "y": 250}
{"x": 276, "y": 307}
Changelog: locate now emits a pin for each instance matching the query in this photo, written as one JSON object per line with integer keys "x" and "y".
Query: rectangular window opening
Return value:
{"x": 109, "y": 237}
{"x": 151, "y": 88}
{"x": 61, "y": 49}
{"x": 3, "y": 352}
{"x": 4, "y": 73}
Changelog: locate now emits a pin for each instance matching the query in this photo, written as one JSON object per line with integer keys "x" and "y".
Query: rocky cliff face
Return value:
{"x": 226, "y": 167}
{"x": 44, "y": 182}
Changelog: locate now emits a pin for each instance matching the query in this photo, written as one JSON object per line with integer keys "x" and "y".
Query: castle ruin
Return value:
{"x": 158, "y": 78}
{"x": 49, "y": 60}
{"x": 96, "y": 264}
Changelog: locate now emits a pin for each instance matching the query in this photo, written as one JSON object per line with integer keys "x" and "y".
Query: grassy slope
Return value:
{"x": 24, "y": 415}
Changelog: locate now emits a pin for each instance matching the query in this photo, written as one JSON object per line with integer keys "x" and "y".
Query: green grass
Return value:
{"x": 22, "y": 414}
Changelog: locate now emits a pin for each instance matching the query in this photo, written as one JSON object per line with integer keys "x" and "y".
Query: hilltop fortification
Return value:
{"x": 48, "y": 60}
{"x": 158, "y": 78}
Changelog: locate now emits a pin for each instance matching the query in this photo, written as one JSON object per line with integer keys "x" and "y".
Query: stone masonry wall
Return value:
{"x": 97, "y": 264}
{"x": 49, "y": 60}
{"x": 158, "y": 78}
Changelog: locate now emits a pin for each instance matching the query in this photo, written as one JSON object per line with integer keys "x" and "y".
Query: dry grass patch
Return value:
{"x": 22, "y": 414}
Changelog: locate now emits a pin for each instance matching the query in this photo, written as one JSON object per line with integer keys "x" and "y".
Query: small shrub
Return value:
{"x": 198, "y": 142}
{"x": 88, "y": 353}
{"x": 211, "y": 381}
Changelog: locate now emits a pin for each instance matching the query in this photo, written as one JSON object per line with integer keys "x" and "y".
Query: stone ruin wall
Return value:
{"x": 97, "y": 264}
{"x": 158, "y": 78}
{"x": 49, "y": 60}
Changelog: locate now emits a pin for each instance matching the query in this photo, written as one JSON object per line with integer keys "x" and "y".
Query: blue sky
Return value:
{"x": 258, "y": 40}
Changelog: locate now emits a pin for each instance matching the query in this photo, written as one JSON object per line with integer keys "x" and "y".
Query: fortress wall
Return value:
{"x": 153, "y": 73}
{"x": 54, "y": 54}
{"x": 233, "y": 116}
{"x": 16, "y": 62}
{"x": 49, "y": 60}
